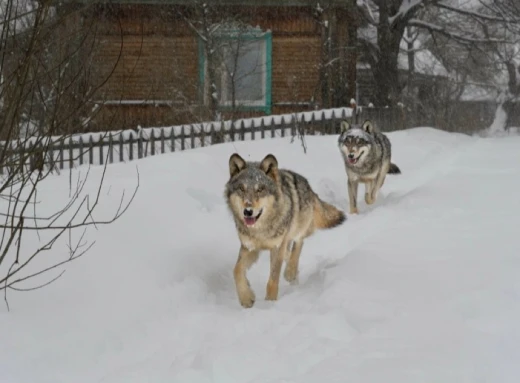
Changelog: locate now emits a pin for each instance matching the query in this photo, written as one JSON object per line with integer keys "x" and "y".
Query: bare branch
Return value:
{"x": 44, "y": 102}
{"x": 476, "y": 15}
{"x": 455, "y": 36}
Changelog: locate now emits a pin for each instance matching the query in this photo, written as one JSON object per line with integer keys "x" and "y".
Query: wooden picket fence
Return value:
{"x": 58, "y": 153}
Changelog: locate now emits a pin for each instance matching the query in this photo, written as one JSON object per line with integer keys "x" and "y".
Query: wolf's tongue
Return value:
{"x": 352, "y": 160}
{"x": 250, "y": 220}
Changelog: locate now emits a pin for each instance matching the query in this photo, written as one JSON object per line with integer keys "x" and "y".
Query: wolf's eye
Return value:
{"x": 260, "y": 189}
{"x": 242, "y": 188}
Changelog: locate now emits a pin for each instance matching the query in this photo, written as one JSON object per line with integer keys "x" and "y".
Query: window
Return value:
{"x": 242, "y": 69}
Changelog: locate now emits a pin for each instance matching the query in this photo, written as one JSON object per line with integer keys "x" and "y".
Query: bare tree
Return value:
{"x": 205, "y": 21}
{"x": 45, "y": 58}
{"x": 226, "y": 39}
{"x": 505, "y": 55}
{"x": 388, "y": 20}
{"x": 235, "y": 63}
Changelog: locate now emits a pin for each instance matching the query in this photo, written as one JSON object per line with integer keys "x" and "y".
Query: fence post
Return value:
{"x": 61, "y": 154}
{"x": 131, "y": 146}
{"x": 121, "y": 148}
{"x": 162, "y": 140}
{"x": 242, "y": 130}
{"x": 152, "y": 143}
{"x": 140, "y": 143}
{"x": 81, "y": 150}
{"x": 231, "y": 130}
{"x": 100, "y": 145}
{"x": 71, "y": 153}
{"x": 91, "y": 150}
{"x": 110, "y": 149}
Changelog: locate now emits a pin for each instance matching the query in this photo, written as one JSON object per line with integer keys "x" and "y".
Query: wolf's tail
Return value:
{"x": 327, "y": 216}
{"x": 394, "y": 169}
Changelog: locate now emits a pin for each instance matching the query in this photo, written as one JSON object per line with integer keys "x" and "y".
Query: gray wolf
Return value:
{"x": 367, "y": 157}
{"x": 273, "y": 209}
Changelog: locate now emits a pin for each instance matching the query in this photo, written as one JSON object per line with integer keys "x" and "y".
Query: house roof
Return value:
{"x": 243, "y": 3}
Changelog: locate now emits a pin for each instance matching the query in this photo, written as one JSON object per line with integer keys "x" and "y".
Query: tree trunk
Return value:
{"x": 351, "y": 63}
{"x": 514, "y": 82}
{"x": 386, "y": 72}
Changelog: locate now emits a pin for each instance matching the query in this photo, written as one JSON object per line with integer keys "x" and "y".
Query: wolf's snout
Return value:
{"x": 248, "y": 212}
{"x": 249, "y": 218}
{"x": 350, "y": 155}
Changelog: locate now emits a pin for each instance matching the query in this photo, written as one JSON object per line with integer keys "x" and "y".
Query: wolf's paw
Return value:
{"x": 271, "y": 297}
{"x": 354, "y": 210}
{"x": 291, "y": 275}
{"x": 247, "y": 299}
{"x": 369, "y": 200}
{"x": 271, "y": 291}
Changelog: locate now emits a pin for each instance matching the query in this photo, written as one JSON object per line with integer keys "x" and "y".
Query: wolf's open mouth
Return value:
{"x": 250, "y": 221}
{"x": 354, "y": 160}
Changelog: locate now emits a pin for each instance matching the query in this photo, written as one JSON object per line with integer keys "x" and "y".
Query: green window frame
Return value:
{"x": 253, "y": 38}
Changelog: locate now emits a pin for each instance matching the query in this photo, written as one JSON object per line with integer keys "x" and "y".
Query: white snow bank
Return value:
{"x": 423, "y": 286}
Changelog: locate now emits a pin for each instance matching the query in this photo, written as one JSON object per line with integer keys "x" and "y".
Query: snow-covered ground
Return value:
{"x": 423, "y": 286}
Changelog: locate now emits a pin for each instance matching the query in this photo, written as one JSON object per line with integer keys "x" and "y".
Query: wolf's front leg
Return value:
{"x": 369, "y": 190}
{"x": 246, "y": 258}
{"x": 277, "y": 257}
{"x": 352, "y": 196}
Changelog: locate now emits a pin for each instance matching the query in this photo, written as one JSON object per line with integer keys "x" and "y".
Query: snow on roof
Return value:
{"x": 479, "y": 92}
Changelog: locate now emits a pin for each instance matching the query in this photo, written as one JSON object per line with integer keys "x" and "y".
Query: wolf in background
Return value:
{"x": 367, "y": 157}
{"x": 273, "y": 209}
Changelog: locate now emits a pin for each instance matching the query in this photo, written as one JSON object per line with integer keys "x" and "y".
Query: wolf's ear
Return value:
{"x": 236, "y": 164}
{"x": 344, "y": 126}
{"x": 269, "y": 166}
{"x": 368, "y": 127}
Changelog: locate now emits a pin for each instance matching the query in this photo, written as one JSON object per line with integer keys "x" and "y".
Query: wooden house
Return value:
{"x": 162, "y": 62}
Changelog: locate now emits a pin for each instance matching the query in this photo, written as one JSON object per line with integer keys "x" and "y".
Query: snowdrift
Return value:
{"x": 423, "y": 286}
